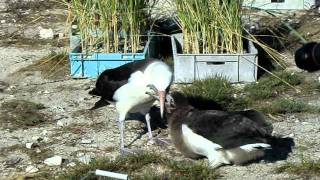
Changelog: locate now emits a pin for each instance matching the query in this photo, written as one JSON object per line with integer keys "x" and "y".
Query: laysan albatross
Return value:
{"x": 131, "y": 88}
{"x": 223, "y": 137}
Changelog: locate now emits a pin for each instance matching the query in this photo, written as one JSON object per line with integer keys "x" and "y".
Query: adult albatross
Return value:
{"x": 131, "y": 88}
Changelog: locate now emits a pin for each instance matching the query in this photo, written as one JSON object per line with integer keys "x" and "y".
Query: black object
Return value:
{"x": 308, "y": 57}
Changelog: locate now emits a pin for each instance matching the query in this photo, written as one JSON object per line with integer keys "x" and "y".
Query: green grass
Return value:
{"x": 262, "y": 95}
{"x": 269, "y": 86}
{"x": 283, "y": 106}
{"x": 305, "y": 169}
{"x": 22, "y": 105}
{"x": 21, "y": 114}
{"x": 143, "y": 166}
{"x": 215, "y": 88}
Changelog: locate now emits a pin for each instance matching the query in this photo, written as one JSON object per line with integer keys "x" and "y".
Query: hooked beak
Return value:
{"x": 162, "y": 96}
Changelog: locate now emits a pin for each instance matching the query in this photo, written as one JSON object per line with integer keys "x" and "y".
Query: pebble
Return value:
{"x": 31, "y": 169}
{"x": 72, "y": 164}
{"x": 46, "y": 139}
{"x": 53, "y": 161}
{"x": 60, "y": 35}
{"x": 305, "y": 123}
{"x": 46, "y": 33}
{"x": 61, "y": 123}
{"x": 44, "y": 133}
{"x": 29, "y": 145}
{"x": 36, "y": 138}
{"x": 86, "y": 159}
{"x": 86, "y": 141}
{"x": 86, "y": 88}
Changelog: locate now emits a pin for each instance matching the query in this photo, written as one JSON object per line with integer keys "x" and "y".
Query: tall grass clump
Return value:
{"x": 110, "y": 25}
{"x": 211, "y": 26}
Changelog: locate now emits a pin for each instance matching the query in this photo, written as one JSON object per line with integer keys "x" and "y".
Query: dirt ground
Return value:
{"x": 74, "y": 133}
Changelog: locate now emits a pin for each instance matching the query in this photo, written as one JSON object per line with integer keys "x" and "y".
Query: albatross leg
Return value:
{"x": 123, "y": 150}
{"x": 152, "y": 140}
{"x": 147, "y": 116}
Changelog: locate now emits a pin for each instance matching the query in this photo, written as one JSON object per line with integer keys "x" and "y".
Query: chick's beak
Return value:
{"x": 162, "y": 96}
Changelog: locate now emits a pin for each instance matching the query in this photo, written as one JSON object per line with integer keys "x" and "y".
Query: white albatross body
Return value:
{"x": 132, "y": 97}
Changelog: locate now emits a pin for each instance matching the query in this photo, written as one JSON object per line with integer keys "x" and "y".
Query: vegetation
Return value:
{"x": 262, "y": 95}
{"x": 21, "y": 113}
{"x": 217, "y": 89}
{"x": 210, "y": 26}
{"x": 143, "y": 166}
{"x": 305, "y": 169}
{"x": 106, "y": 25}
{"x": 284, "y": 105}
{"x": 269, "y": 86}
{"x": 53, "y": 66}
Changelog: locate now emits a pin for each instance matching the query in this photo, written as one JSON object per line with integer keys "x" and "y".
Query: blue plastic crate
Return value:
{"x": 90, "y": 65}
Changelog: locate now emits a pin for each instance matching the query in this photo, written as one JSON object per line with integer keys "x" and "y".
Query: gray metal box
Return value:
{"x": 235, "y": 67}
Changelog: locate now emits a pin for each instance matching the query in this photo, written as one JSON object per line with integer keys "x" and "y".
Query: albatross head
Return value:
{"x": 160, "y": 78}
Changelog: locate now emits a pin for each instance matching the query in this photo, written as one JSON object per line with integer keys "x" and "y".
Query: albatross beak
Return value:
{"x": 162, "y": 96}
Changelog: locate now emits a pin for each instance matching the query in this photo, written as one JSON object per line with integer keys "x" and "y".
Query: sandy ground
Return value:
{"x": 73, "y": 132}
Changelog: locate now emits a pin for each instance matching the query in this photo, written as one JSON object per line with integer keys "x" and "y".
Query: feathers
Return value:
{"x": 127, "y": 86}
{"x": 224, "y": 137}
{"x": 110, "y": 80}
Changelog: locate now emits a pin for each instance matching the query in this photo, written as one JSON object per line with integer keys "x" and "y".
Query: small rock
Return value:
{"x": 58, "y": 108}
{"x": 72, "y": 164}
{"x": 94, "y": 145}
{"x": 86, "y": 141}
{"x": 86, "y": 88}
{"x": 305, "y": 123}
{"x": 3, "y": 21}
{"x": 30, "y": 145}
{"x": 61, "y": 123}
{"x": 80, "y": 154}
{"x": 86, "y": 159}
{"x": 53, "y": 161}
{"x": 38, "y": 150}
{"x": 46, "y": 139}
{"x": 31, "y": 169}
{"x": 44, "y": 133}
{"x": 30, "y": 32}
{"x": 291, "y": 135}
{"x": 46, "y": 33}
{"x": 60, "y": 35}
{"x": 12, "y": 87}
{"x": 36, "y": 138}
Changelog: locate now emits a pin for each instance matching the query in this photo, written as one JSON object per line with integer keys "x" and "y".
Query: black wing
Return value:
{"x": 229, "y": 129}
